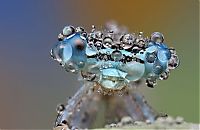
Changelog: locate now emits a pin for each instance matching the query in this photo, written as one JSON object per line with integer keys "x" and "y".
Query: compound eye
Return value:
{"x": 68, "y": 30}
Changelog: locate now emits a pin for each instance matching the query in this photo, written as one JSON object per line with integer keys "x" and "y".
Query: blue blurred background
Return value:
{"x": 31, "y": 84}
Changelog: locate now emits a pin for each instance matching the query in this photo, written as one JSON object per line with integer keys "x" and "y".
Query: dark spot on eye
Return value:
{"x": 79, "y": 44}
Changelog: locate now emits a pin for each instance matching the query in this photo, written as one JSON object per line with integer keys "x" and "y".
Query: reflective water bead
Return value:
{"x": 116, "y": 55}
{"x": 98, "y": 45}
{"x": 107, "y": 42}
{"x": 81, "y": 64}
{"x": 60, "y": 37}
{"x": 172, "y": 50}
{"x": 88, "y": 76}
{"x": 99, "y": 34}
{"x": 134, "y": 69}
{"x": 79, "y": 29}
{"x": 68, "y": 30}
{"x": 57, "y": 52}
{"x": 157, "y": 37}
{"x": 173, "y": 62}
{"x": 128, "y": 40}
{"x": 60, "y": 108}
{"x": 150, "y": 57}
{"x": 158, "y": 68}
{"x": 67, "y": 52}
{"x": 71, "y": 67}
{"x": 151, "y": 80}
{"x": 84, "y": 34}
{"x": 113, "y": 56}
{"x": 164, "y": 75}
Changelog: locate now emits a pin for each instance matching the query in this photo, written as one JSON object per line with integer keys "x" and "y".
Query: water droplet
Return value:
{"x": 99, "y": 90}
{"x": 151, "y": 80}
{"x": 60, "y": 37}
{"x": 105, "y": 57}
{"x": 164, "y": 75}
{"x": 107, "y": 42}
{"x": 128, "y": 40}
{"x": 173, "y": 62}
{"x": 73, "y": 70}
{"x": 99, "y": 34}
{"x": 60, "y": 108}
{"x": 150, "y": 57}
{"x": 93, "y": 28}
{"x": 57, "y": 52}
{"x": 141, "y": 33}
{"x": 157, "y": 68}
{"x": 157, "y": 37}
{"x": 172, "y": 50}
{"x": 71, "y": 67}
{"x": 70, "y": 64}
{"x": 109, "y": 65}
{"x": 141, "y": 43}
{"x": 98, "y": 45}
{"x": 136, "y": 49}
{"x": 88, "y": 76}
{"x": 116, "y": 55}
{"x": 80, "y": 29}
{"x": 68, "y": 30}
{"x": 81, "y": 64}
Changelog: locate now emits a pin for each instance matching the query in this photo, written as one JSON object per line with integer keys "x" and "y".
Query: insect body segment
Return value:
{"x": 112, "y": 58}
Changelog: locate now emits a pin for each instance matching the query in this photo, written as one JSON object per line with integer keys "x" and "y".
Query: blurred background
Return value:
{"x": 32, "y": 84}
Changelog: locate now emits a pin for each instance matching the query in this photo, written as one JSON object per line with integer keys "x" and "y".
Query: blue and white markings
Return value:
{"x": 113, "y": 59}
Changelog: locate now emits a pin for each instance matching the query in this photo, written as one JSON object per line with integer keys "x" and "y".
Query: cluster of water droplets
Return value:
{"x": 134, "y": 54}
